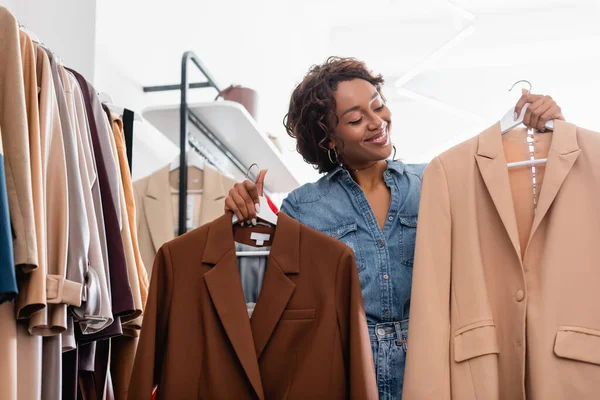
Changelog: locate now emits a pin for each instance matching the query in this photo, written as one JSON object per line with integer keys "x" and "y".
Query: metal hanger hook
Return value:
{"x": 250, "y": 168}
{"x": 521, "y": 81}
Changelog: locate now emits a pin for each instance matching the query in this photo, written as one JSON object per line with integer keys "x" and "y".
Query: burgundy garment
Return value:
{"x": 122, "y": 298}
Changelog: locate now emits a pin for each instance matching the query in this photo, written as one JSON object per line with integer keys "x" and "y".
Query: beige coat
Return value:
{"x": 15, "y": 140}
{"x": 32, "y": 291}
{"x": 155, "y": 209}
{"x": 487, "y": 323}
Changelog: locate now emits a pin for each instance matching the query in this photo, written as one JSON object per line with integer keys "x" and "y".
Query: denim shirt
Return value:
{"x": 337, "y": 206}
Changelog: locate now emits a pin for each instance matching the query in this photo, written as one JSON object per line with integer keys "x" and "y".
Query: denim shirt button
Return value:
{"x": 380, "y": 243}
{"x": 380, "y": 332}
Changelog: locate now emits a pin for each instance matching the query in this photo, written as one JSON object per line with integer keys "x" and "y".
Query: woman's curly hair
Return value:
{"x": 311, "y": 118}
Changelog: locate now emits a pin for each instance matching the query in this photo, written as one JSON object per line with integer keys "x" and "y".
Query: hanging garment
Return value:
{"x": 95, "y": 313}
{"x": 15, "y": 142}
{"x": 124, "y": 162}
{"x": 307, "y": 337}
{"x": 32, "y": 295}
{"x": 8, "y": 351}
{"x": 51, "y": 321}
{"x": 123, "y": 348}
{"x": 130, "y": 260}
{"x": 487, "y": 320}
{"x": 155, "y": 211}
{"x": 79, "y": 233}
{"x": 8, "y": 282}
{"x": 121, "y": 297}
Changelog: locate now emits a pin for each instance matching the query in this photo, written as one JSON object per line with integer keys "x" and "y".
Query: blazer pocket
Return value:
{"x": 475, "y": 340}
{"x": 308, "y": 313}
{"x": 579, "y": 344}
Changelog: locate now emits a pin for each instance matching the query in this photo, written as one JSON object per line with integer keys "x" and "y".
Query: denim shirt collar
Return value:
{"x": 397, "y": 166}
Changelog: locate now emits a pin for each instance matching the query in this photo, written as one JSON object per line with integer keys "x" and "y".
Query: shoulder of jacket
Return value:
{"x": 460, "y": 153}
{"x": 586, "y": 134}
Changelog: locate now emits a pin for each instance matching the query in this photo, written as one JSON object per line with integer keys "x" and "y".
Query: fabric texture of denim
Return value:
{"x": 337, "y": 206}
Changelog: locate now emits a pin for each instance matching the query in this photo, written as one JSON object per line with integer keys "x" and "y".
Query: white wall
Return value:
{"x": 67, "y": 27}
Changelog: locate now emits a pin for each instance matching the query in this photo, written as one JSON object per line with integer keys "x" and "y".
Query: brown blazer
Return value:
{"x": 154, "y": 208}
{"x": 485, "y": 322}
{"x": 307, "y": 338}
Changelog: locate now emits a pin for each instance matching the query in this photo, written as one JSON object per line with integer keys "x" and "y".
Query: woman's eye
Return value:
{"x": 380, "y": 108}
{"x": 356, "y": 122}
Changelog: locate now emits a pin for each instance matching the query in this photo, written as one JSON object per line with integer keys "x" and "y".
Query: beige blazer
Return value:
{"x": 47, "y": 322}
{"x": 15, "y": 140}
{"x": 155, "y": 210}
{"x": 32, "y": 290}
{"x": 486, "y": 323}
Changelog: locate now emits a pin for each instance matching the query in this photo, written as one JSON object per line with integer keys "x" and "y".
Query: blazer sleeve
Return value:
{"x": 352, "y": 322}
{"x": 147, "y": 368}
{"x": 428, "y": 359}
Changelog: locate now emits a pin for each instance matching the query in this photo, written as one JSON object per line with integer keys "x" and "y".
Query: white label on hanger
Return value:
{"x": 189, "y": 213}
{"x": 260, "y": 238}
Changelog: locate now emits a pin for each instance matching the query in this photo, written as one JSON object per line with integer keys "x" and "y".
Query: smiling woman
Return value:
{"x": 343, "y": 115}
{"x": 342, "y": 127}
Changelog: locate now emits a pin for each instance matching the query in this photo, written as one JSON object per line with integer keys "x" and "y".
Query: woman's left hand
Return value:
{"x": 541, "y": 109}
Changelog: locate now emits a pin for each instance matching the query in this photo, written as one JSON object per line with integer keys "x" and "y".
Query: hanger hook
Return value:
{"x": 250, "y": 168}
{"x": 521, "y": 81}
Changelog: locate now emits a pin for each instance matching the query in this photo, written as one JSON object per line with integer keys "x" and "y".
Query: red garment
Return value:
{"x": 272, "y": 205}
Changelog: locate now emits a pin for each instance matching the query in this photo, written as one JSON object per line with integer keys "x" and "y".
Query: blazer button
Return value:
{"x": 520, "y": 295}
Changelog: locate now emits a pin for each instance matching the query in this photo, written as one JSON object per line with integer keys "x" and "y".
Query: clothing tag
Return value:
{"x": 189, "y": 213}
{"x": 260, "y": 238}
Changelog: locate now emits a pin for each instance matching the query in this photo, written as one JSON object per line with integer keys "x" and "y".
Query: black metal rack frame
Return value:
{"x": 185, "y": 115}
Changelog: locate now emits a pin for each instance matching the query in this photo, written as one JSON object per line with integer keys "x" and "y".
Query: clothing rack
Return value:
{"x": 186, "y": 115}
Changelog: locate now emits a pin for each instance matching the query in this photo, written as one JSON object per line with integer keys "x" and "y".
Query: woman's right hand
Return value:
{"x": 243, "y": 198}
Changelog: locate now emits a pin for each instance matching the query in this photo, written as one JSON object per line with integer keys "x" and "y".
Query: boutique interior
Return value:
{"x": 128, "y": 128}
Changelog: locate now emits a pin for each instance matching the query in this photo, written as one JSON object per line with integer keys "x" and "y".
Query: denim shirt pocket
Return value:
{"x": 347, "y": 234}
{"x": 409, "y": 234}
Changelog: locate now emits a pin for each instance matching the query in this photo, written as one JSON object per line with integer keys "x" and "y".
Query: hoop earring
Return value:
{"x": 330, "y": 158}
{"x": 394, "y": 156}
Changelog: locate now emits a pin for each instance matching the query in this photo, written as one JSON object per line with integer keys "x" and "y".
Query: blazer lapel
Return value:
{"x": 277, "y": 287}
{"x": 564, "y": 151}
{"x": 158, "y": 208}
{"x": 492, "y": 166}
{"x": 225, "y": 289}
